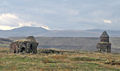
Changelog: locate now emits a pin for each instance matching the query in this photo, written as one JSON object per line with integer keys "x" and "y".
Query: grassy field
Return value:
{"x": 68, "y": 61}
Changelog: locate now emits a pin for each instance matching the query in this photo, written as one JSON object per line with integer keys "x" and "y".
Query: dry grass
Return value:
{"x": 80, "y": 61}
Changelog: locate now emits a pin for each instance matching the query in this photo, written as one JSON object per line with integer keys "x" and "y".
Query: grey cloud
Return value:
{"x": 66, "y": 14}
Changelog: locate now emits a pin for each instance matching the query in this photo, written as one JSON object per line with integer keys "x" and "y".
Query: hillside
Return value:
{"x": 68, "y": 61}
{"x": 39, "y": 31}
{"x": 74, "y": 43}
{"x": 4, "y": 42}
{"x": 23, "y": 31}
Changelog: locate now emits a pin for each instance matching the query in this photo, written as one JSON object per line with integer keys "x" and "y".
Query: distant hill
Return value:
{"x": 23, "y": 31}
{"x": 4, "y": 42}
{"x": 74, "y": 43}
{"x": 39, "y": 31}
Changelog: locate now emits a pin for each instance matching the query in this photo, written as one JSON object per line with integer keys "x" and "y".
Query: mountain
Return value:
{"x": 39, "y": 31}
{"x": 112, "y": 33}
{"x": 23, "y": 31}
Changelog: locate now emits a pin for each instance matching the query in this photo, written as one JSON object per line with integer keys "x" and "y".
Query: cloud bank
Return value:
{"x": 10, "y": 21}
{"x": 61, "y": 14}
{"x": 107, "y": 21}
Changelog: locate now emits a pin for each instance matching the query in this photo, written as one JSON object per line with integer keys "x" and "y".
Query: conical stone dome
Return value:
{"x": 104, "y": 34}
{"x": 31, "y": 38}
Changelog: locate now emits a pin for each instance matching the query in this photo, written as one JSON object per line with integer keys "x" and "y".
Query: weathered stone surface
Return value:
{"x": 104, "y": 45}
{"x": 28, "y": 45}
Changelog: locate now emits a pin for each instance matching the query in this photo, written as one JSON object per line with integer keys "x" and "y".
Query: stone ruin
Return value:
{"x": 51, "y": 51}
{"x": 28, "y": 45}
{"x": 104, "y": 45}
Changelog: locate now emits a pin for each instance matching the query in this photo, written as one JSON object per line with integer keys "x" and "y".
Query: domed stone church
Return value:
{"x": 104, "y": 45}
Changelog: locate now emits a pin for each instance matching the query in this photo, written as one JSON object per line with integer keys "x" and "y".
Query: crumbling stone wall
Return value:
{"x": 28, "y": 45}
{"x": 104, "y": 47}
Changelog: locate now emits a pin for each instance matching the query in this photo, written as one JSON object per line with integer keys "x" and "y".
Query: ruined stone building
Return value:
{"x": 28, "y": 45}
{"x": 104, "y": 45}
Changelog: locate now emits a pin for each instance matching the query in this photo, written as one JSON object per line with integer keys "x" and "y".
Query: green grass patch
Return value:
{"x": 55, "y": 62}
{"x": 4, "y": 45}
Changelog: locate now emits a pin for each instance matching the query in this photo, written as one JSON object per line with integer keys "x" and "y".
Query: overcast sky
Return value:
{"x": 60, "y": 14}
